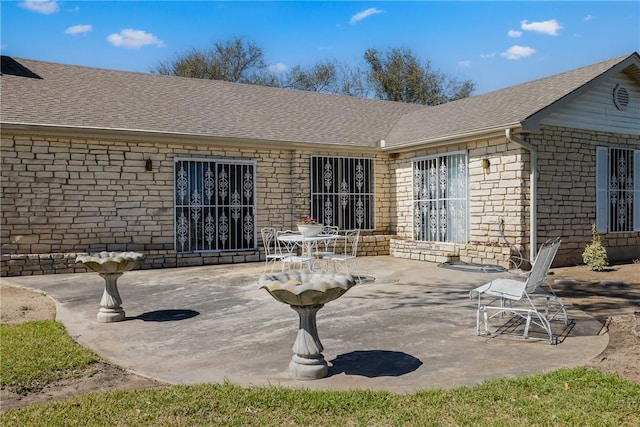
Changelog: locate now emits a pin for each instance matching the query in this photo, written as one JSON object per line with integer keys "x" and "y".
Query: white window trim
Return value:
{"x": 413, "y": 160}
{"x": 433, "y": 156}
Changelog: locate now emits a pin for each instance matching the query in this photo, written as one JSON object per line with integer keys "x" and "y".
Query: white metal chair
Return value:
{"x": 348, "y": 255}
{"x": 271, "y": 248}
{"x": 326, "y": 248}
{"x": 293, "y": 246}
{"x": 521, "y": 298}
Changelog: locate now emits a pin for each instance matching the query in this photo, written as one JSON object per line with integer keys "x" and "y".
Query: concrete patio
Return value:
{"x": 409, "y": 326}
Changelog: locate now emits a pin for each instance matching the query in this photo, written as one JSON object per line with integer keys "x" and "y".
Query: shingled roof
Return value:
{"x": 519, "y": 105}
{"x": 36, "y": 93}
{"x": 42, "y": 93}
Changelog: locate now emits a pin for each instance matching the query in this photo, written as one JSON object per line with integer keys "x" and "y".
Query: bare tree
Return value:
{"x": 235, "y": 61}
{"x": 396, "y": 76}
{"x": 353, "y": 81}
{"x": 399, "y": 76}
{"x": 329, "y": 76}
{"x": 320, "y": 77}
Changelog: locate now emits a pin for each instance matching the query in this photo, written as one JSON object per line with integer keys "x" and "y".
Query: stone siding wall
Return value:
{"x": 374, "y": 245}
{"x": 499, "y": 199}
{"x": 424, "y": 251}
{"x": 498, "y": 206}
{"x": 65, "y": 196}
{"x": 567, "y": 193}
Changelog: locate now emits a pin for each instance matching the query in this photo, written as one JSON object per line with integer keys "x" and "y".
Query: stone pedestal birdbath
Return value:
{"x": 306, "y": 293}
{"x": 110, "y": 266}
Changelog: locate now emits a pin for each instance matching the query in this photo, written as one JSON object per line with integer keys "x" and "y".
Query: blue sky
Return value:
{"x": 496, "y": 44}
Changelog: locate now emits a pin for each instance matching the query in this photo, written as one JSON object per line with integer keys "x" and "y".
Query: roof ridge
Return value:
{"x": 611, "y": 61}
{"x": 81, "y": 97}
{"x": 196, "y": 80}
{"x": 519, "y": 104}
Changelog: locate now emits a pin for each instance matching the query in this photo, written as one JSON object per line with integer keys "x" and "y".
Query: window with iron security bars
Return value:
{"x": 342, "y": 192}
{"x": 440, "y": 198}
{"x": 618, "y": 190}
{"x": 214, "y": 205}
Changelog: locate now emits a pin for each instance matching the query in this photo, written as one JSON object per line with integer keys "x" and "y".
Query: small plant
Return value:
{"x": 25, "y": 308}
{"x": 595, "y": 254}
{"x": 308, "y": 220}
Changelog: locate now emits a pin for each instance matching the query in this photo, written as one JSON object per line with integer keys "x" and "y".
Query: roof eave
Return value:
{"x": 453, "y": 139}
{"x": 174, "y": 137}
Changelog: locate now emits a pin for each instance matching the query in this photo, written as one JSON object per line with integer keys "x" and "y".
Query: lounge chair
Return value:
{"x": 525, "y": 299}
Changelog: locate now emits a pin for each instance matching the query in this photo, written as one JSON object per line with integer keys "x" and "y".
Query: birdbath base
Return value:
{"x": 302, "y": 368}
{"x": 110, "y": 310}
{"x": 308, "y": 362}
{"x": 108, "y": 315}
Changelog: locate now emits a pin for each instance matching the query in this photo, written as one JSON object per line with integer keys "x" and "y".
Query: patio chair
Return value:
{"x": 293, "y": 246}
{"x": 525, "y": 299}
{"x": 326, "y": 247}
{"x": 348, "y": 255}
{"x": 271, "y": 248}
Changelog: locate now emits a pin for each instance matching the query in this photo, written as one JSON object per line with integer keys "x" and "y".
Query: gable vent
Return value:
{"x": 621, "y": 97}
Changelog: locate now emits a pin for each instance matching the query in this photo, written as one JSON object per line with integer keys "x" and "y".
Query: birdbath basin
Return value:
{"x": 110, "y": 266}
{"x": 306, "y": 293}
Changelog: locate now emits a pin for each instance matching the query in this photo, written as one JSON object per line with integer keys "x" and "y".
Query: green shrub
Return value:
{"x": 595, "y": 254}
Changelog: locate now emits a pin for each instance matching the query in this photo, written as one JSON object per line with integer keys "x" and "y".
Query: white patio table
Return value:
{"x": 308, "y": 242}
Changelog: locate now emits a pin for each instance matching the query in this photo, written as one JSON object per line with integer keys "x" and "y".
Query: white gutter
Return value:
{"x": 448, "y": 139}
{"x": 533, "y": 179}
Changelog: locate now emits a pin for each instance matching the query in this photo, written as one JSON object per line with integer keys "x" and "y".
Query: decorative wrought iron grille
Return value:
{"x": 621, "y": 190}
{"x": 440, "y": 198}
{"x": 342, "y": 192}
{"x": 214, "y": 205}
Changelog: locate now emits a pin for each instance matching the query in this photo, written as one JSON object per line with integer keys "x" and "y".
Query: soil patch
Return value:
{"x": 612, "y": 297}
{"x": 23, "y": 305}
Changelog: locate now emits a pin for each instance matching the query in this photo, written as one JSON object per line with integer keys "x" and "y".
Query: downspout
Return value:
{"x": 533, "y": 179}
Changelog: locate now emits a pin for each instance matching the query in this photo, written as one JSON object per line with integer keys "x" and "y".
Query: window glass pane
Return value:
{"x": 440, "y": 198}
{"x": 342, "y": 192}
{"x": 621, "y": 190}
{"x": 214, "y": 205}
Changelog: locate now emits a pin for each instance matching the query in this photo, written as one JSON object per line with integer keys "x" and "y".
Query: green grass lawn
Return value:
{"x": 578, "y": 397}
{"x": 36, "y": 353}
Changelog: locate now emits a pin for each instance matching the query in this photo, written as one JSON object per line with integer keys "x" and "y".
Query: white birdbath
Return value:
{"x": 307, "y": 293}
{"x": 111, "y": 265}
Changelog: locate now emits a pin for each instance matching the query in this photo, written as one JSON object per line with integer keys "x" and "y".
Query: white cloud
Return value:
{"x": 133, "y": 39}
{"x": 589, "y": 18}
{"x": 488, "y": 55}
{"x": 41, "y": 6}
{"x": 364, "y": 14}
{"x": 465, "y": 63}
{"x": 517, "y": 52}
{"x": 278, "y": 68}
{"x": 514, "y": 33}
{"x": 549, "y": 27}
{"x": 77, "y": 29}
